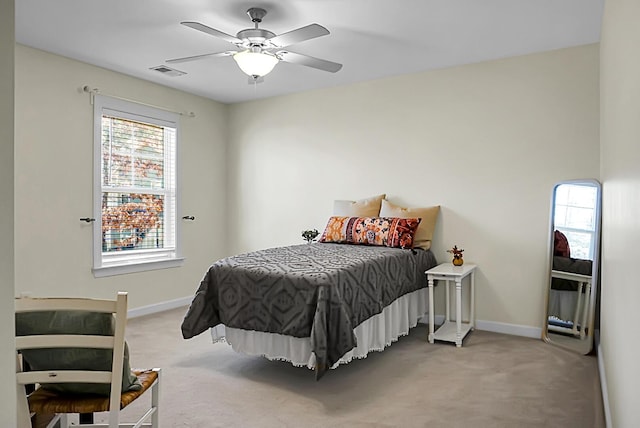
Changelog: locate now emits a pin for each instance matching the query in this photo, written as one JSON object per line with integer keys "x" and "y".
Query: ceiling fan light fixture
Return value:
{"x": 255, "y": 63}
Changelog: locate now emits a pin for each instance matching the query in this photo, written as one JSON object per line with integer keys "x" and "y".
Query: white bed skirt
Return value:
{"x": 374, "y": 334}
{"x": 562, "y": 304}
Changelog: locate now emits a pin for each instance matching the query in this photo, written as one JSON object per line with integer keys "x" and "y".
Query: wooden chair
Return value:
{"x": 46, "y": 401}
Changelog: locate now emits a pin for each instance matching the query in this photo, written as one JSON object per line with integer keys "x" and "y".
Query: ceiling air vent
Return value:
{"x": 168, "y": 71}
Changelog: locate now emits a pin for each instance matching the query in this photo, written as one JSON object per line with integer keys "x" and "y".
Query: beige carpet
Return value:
{"x": 494, "y": 381}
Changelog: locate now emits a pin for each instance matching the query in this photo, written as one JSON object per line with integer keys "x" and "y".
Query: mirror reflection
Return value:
{"x": 574, "y": 243}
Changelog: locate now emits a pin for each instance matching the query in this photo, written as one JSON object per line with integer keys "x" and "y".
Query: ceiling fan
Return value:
{"x": 259, "y": 50}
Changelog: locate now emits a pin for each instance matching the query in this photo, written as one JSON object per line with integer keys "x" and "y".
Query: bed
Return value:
{"x": 316, "y": 305}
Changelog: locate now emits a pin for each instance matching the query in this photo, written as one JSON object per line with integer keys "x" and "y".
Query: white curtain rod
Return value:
{"x": 94, "y": 91}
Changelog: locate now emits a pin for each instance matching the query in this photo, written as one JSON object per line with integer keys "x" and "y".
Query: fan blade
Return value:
{"x": 301, "y": 34}
{"x": 212, "y": 31}
{"x": 196, "y": 57}
{"x": 309, "y": 61}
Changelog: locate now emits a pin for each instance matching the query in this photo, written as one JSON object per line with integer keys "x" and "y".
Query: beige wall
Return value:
{"x": 7, "y": 355}
{"x": 54, "y": 181}
{"x": 485, "y": 141}
{"x": 620, "y": 157}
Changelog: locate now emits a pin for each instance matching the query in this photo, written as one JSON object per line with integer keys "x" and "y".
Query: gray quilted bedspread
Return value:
{"x": 321, "y": 291}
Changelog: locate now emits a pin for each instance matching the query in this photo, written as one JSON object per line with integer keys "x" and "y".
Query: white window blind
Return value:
{"x": 575, "y": 217}
{"x": 135, "y": 187}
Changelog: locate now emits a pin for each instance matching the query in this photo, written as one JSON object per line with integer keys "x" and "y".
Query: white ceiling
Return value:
{"x": 372, "y": 38}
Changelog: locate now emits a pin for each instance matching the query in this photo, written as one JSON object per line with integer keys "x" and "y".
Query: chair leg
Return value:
{"x": 56, "y": 422}
{"x": 576, "y": 316}
{"x": 155, "y": 400}
{"x": 22, "y": 410}
{"x": 64, "y": 420}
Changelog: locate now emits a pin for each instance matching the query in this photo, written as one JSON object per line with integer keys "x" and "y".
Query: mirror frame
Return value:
{"x": 594, "y": 274}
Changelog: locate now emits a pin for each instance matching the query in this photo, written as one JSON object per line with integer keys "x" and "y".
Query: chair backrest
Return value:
{"x": 114, "y": 342}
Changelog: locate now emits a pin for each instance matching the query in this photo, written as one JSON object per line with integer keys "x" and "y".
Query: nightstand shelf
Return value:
{"x": 448, "y": 332}
{"x": 452, "y": 331}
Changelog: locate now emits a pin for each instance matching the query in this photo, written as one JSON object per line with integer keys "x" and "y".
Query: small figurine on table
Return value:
{"x": 457, "y": 255}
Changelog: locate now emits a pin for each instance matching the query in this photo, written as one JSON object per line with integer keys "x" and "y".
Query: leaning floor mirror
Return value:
{"x": 574, "y": 244}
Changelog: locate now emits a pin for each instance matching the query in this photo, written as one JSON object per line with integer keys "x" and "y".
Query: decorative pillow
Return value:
{"x": 382, "y": 231}
{"x": 73, "y": 322}
{"x": 429, "y": 216}
{"x": 561, "y": 244}
{"x": 369, "y": 207}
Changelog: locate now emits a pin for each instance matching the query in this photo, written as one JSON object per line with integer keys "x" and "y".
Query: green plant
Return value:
{"x": 457, "y": 252}
{"x": 310, "y": 235}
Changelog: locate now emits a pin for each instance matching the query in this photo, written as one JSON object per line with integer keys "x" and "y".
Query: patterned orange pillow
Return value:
{"x": 382, "y": 231}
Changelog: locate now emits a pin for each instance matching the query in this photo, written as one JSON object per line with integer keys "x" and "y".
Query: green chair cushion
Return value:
{"x": 73, "y": 322}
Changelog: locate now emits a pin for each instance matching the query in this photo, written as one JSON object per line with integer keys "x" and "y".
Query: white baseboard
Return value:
{"x": 513, "y": 329}
{"x": 497, "y": 327}
{"x": 159, "y": 307}
{"x": 438, "y": 319}
{"x": 603, "y": 387}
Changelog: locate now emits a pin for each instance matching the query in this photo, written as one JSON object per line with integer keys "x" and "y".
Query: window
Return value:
{"x": 575, "y": 217}
{"x": 135, "y": 198}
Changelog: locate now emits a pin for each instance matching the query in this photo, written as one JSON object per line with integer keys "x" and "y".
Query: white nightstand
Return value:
{"x": 450, "y": 331}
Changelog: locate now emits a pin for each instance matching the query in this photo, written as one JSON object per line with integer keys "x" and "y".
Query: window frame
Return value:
{"x": 567, "y": 230}
{"x": 139, "y": 260}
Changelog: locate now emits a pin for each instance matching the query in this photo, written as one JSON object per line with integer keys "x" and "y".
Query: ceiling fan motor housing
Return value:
{"x": 254, "y": 37}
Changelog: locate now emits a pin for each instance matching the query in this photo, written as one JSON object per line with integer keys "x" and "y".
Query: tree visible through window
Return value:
{"x": 137, "y": 185}
{"x": 132, "y": 158}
